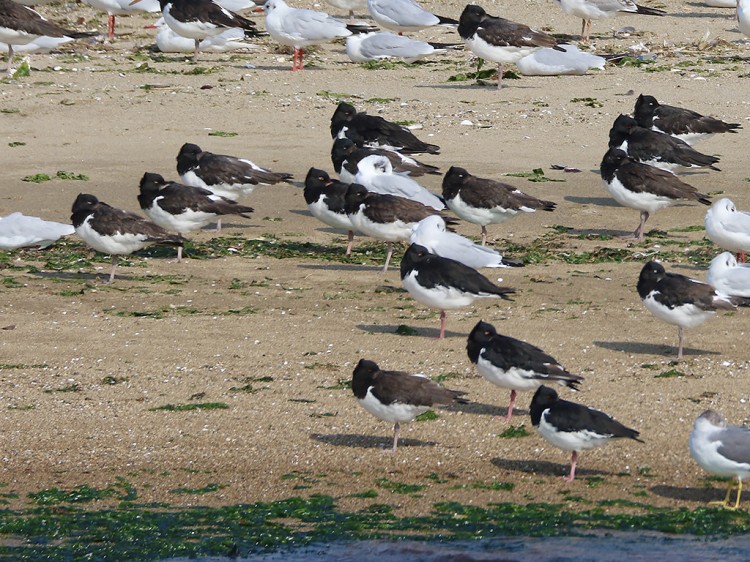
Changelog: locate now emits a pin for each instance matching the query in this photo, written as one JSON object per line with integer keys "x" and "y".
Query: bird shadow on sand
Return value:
{"x": 360, "y": 441}
{"x": 77, "y": 276}
{"x": 479, "y": 409}
{"x": 421, "y": 332}
{"x": 695, "y": 14}
{"x": 544, "y": 468}
{"x": 598, "y": 201}
{"x": 341, "y": 267}
{"x": 700, "y": 495}
{"x": 641, "y": 348}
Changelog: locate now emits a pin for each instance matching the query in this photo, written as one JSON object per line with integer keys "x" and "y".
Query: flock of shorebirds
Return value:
{"x": 377, "y": 195}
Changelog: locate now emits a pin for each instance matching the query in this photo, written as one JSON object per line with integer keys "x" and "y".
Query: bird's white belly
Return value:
{"x": 443, "y": 298}
{"x": 570, "y": 440}
{"x": 642, "y": 201}
{"x": 501, "y": 55}
{"x": 119, "y": 244}
{"x": 687, "y": 316}
{"x": 482, "y": 216}
{"x": 183, "y": 223}
{"x": 513, "y": 378}
{"x": 395, "y": 412}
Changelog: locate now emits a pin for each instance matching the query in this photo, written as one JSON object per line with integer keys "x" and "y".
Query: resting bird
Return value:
{"x": 573, "y": 427}
{"x": 395, "y": 396}
{"x": 514, "y": 364}
{"x": 684, "y": 124}
{"x": 728, "y": 227}
{"x": 589, "y": 10}
{"x": 643, "y": 187}
{"x": 500, "y": 40}
{"x": 19, "y": 231}
{"x": 115, "y": 231}
{"x": 444, "y": 283}
{"x": 679, "y": 300}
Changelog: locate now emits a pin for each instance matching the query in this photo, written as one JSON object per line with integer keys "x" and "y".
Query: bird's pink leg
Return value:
{"x": 388, "y": 256}
{"x": 573, "y": 462}
{"x": 680, "y": 341}
{"x": 300, "y": 65}
{"x": 294, "y": 59}
{"x": 638, "y": 234}
{"x": 442, "y": 325}
{"x": 484, "y": 235}
{"x": 179, "y": 254}
{"x": 513, "y": 395}
{"x": 499, "y": 76}
{"x": 10, "y": 60}
{"x": 111, "y": 27}
{"x": 396, "y": 428}
{"x": 351, "y": 243}
{"x": 741, "y": 257}
{"x": 195, "y": 53}
{"x": 115, "y": 259}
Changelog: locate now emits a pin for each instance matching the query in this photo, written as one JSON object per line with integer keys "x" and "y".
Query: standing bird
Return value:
{"x": 723, "y": 450}
{"x": 183, "y": 208}
{"x": 684, "y": 124}
{"x": 431, "y": 233}
{"x": 121, "y": 8}
{"x": 643, "y": 187}
{"x": 679, "y": 300}
{"x": 404, "y": 15}
{"x": 384, "y": 217}
{"x": 514, "y": 364}
{"x": 589, "y": 10}
{"x": 20, "y": 25}
{"x": 326, "y": 199}
{"x": 376, "y": 174}
{"x": 349, "y": 6}
{"x": 198, "y": 19}
{"x": 743, "y": 16}
{"x": 444, "y": 283}
{"x": 375, "y": 132}
{"x": 656, "y": 149}
{"x": 395, "y": 396}
{"x": 500, "y": 40}
{"x": 115, "y": 231}
{"x": 573, "y": 427}
{"x": 727, "y": 276}
{"x": 299, "y": 28}
{"x": 19, "y": 231}
{"x": 728, "y": 228}
{"x": 484, "y": 201}
{"x": 346, "y": 156}
{"x": 226, "y": 176}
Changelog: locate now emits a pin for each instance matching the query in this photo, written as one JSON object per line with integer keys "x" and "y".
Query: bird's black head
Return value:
{"x": 621, "y": 129}
{"x": 644, "y": 110}
{"x": 355, "y": 196}
{"x": 362, "y": 377}
{"x": 453, "y": 180}
{"x": 470, "y": 19}
{"x": 478, "y": 339}
{"x": 151, "y": 182}
{"x": 85, "y": 202}
{"x": 340, "y": 150}
{"x": 187, "y": 157}
{"x": 545, "y": 397}
{"x": 412, "y": 256}
{"x": 612, "y": 160}
{"x": 650, "y": 276}
{"x": 317, "y": 179}
{"x": 344, "y": 112}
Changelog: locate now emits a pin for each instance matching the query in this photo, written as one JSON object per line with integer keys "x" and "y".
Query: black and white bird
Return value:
{"x": 679, "y": 300}
{"x": 589, "y": 10}
{"x": 643, "y": 187}
{"x": 728, "y": 227}
{"x": 376, "y": 174}
{"x": 198, "y": 19}
{"x": 385, "y": 217}
{"x": 431, "y": 233}
{"x": 444, "y": 283}
{"x": 656, "y": 149}
{"x": 375, "y": 132}
{"x": 115, "y": 231}
{"x": 183, "y": 208}
{"x": 21, "y": 231}
{"x": 404, "y": 15}
{"x": 574, "y": 427}
{"x": 514, "y": 364}
{"x": 226, "y": 176}
{"x": 326, "y": 200}
{"x": 396, "y": 396}
{"x": 722, "y": 450}
{"x": 498, "y": 39}
{"x": 684, "y": 124}
{"x": 20, "y": 25}
{"x": 484, "y": 201}
{"x": 346, "y": 156}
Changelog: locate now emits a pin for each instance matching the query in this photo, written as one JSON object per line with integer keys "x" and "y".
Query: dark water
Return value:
{"x": 609, "y": 547}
